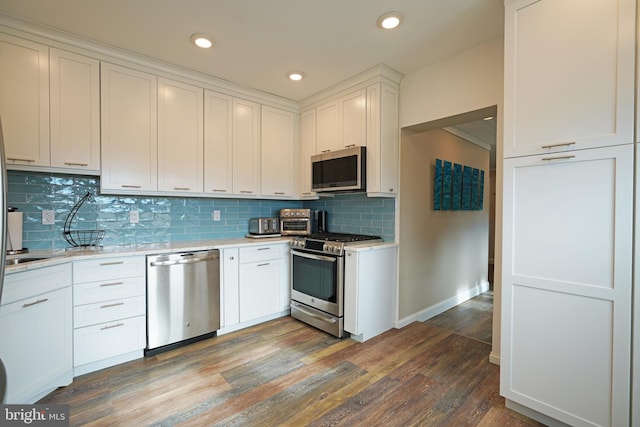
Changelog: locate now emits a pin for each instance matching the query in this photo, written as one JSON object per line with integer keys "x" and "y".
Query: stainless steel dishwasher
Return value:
{"x": 183, "y": 298}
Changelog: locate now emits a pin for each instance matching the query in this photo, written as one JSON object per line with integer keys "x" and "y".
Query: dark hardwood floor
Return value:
{"x": 284, "y": 372}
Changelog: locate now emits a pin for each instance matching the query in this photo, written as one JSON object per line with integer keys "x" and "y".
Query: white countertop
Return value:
{"x": 53, "y": 257}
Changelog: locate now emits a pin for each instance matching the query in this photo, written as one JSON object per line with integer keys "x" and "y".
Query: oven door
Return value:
{"x": 318, "y": 281}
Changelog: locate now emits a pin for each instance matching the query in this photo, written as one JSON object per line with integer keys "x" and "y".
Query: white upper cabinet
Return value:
{"x": 307, "y": 149}
{"x": 129, "y": 130}
{"x": 278, "y": 153}
{"x": 328, "y": 127}
{"x": 180, "y": 137}
{"x": 246, "y": 148}
{"x": 218, "y": 143}
{"x": 353, "y": 119}
{"x": 383, "y": 142}
{"x": 342, "y": 122}
{"x": 75, "y": 111}
{"x": 24, "y": 101}
{"x": 554, "y": 104}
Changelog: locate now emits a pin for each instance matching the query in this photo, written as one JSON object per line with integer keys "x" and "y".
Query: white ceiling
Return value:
{"x": 259, "y": 41}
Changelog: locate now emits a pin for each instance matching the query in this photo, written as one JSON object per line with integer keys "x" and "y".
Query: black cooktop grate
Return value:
{"x": 342, "y": 237}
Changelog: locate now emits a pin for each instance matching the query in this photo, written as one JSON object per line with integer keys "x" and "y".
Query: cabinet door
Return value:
{"x": 328, "y": 130}
{"x": 353, "y": 121}
{"x": 260, "y": 290}
{"x": 75, "y": 111}
{"x": 36, "y": 349}
{"x": 24, "y": 101}
{"x": 230, "y": 293}
{"x": 307, "y": 149}
{"x": 180, "y": 137}
{"x": 129, "y": 129}
{"x": 567, "y": 245}
{"x": 99, "y": 342}
{"x": 246, "y": 148}
{"x": 218, "y": 143}
{"x": 569, "y": 75}
{"x": 383, "y": 140}
{"x": 278, "y": 152}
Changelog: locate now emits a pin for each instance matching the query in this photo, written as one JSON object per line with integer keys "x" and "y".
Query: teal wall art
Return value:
{"x": 457, "y": 187}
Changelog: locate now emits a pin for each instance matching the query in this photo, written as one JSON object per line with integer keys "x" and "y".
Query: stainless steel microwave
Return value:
{"x": 341, "y": 170}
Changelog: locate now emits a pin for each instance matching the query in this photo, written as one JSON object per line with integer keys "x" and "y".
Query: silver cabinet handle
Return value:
{"x": 130, "y": 186}
{"x": 76, "y": 164}
{"x": 182, "y": 188}
{"x": 325, "y": 151}
{"x": 559, "y": 144}
{"x": 40, "y": 301}
{"x": 218, "y": 190}
{"x": 548, "y": 159}
{"x": 117, "y": 325}
{"x": 112, "y": 305}
{"x": 15, "y": 159}
{"x": 111, "y": 284}
{"x": 263, "y": 249}
{"x": 262, "y": 265}
{"x": 279, "y": 193}
{"x": 350, "y": 145}
{"x": 246, "y": 191}
{"x": 111, "y": 263}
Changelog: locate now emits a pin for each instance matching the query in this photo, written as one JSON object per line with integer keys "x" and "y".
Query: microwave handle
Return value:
{"x": 316, "y": 257}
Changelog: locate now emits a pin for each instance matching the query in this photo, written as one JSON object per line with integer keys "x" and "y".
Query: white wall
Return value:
{"x": 469, "y": 81}
{"x": 444, "y": 254}
{"x": 465, "y": 82}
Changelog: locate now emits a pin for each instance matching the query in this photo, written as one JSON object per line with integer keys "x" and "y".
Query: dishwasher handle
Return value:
{"x": 183, "y": 261}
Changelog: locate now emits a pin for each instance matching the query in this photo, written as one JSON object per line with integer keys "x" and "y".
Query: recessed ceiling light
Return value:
{"x": 296, "y": 76}
{"x": 389, "y": 20}
{"x": 202, "y": 40}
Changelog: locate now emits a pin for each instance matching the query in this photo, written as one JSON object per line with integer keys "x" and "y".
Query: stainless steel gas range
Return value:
{"x": 317, "y": 278}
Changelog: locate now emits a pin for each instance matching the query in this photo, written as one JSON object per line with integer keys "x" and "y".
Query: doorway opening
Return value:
{"x": 446, "y": 257}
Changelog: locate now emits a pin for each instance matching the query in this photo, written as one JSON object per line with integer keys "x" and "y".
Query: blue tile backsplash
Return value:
{"x": 170, "y": 219}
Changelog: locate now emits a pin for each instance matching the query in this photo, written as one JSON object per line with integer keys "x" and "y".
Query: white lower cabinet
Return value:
{"x": 36, "y": 332}
{"x": 370, "y": 291}
{"x": 255, "y": 284}
{"x": 110, "y": 313}
{"x": 566, "y": 288}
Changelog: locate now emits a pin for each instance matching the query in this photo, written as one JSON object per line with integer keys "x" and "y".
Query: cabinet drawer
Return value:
{"x": 261, "y": 253}
{"x": 107, "y": 290}
{"x": 98, "y": 342}
{"x": 108, "y": 311}
{"x": 108, "y": 268}
{"x": 27, "y": 284}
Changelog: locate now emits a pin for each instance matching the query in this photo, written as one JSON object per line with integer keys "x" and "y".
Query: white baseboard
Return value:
{"x": 494, "y": 358}
{"x": 442, "y": 306}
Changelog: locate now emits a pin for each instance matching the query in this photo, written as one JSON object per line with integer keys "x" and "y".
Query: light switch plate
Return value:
{"x": 48, "y": 217}
{"x": 216, "y": 215}
{"x": 134, "y": 217}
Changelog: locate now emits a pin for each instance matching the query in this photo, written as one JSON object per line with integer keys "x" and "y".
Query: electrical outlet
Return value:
{"x": 216, "y": 215}
{"x": 134, "y": 217}
{"x": 48, "y": 217}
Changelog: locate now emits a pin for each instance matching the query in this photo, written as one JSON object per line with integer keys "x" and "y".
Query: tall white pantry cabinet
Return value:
{"x": 568, "y": 218}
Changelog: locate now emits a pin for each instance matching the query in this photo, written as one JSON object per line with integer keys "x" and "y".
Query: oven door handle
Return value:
{"x": 316, "y": 257}
{"x": 315, "y": 316}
